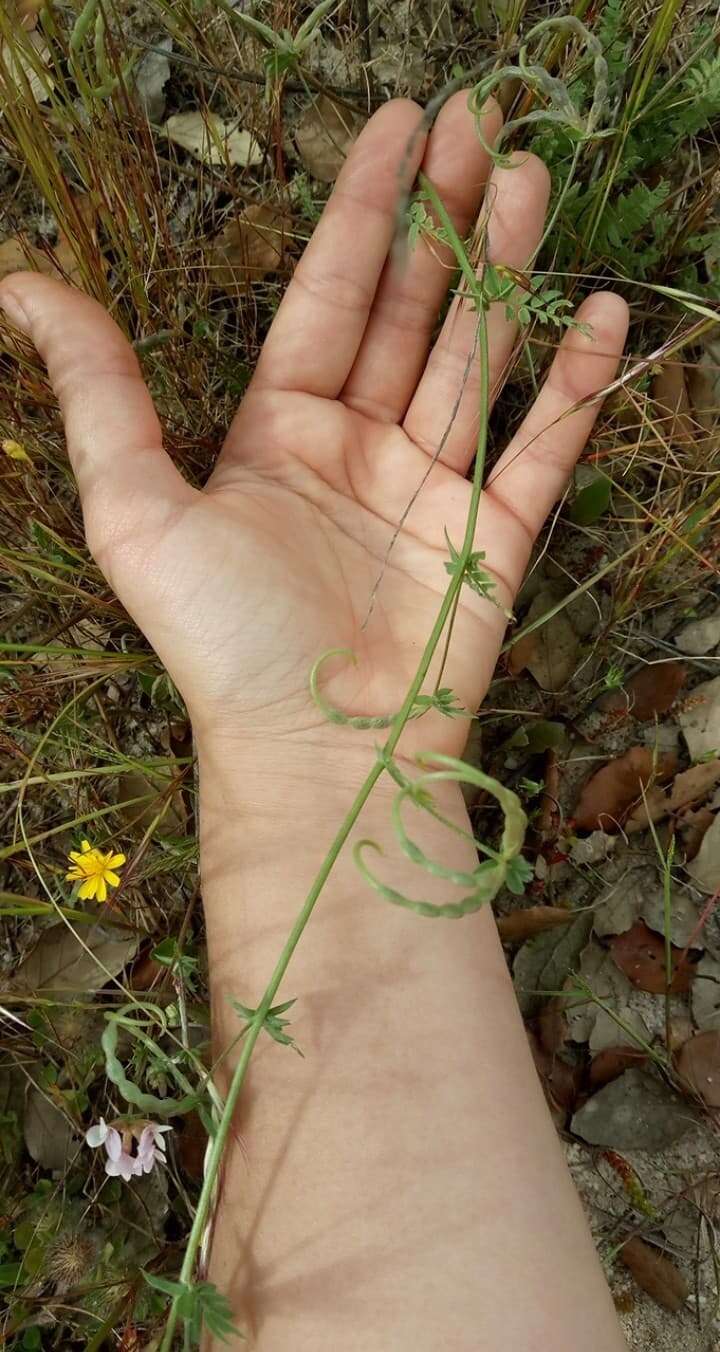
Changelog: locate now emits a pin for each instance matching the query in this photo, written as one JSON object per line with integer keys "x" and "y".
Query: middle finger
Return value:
{"x": 517, "y": 198}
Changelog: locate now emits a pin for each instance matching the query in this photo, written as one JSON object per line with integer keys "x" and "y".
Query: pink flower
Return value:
{"x": 121, "y": 1162}
{"x": 151, "y": 1146}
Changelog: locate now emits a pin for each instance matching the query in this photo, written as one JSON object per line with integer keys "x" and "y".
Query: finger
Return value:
{"x": 533, "y": 471}
{"x": 318, "y": 329}
{"x": 113, "y": 434}
{"x": 395, "y": 345}
{"x": 517, "y": 200}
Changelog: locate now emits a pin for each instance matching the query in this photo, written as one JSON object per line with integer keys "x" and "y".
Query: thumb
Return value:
{"x": 114, "y": 440}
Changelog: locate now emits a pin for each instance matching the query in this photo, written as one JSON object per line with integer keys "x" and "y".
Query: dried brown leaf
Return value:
{"x": 655, "y": 1274}
{"x": 213, "y": 140}
{"x": 705, "y": 867}
{"x": 670, "y": 393}
{"x": 640, "y": 954}
{"x": 690, "y": 786}
{"x": 48, "y": 1134}
{"x": 251, "y": 246}
{"x": 324, "y": 136}
{"x": 700, "y": 719}
{"x": 612, "y": 1062}
{"x": 692, "y": 830}
{"x": 22, "y": 67}
{"x": 520, "y": 925}
{"x": 553, "y": 1025}
{"x": 653, "y": 689}
{"x": 62, "y": 962}
{"x": 698, "y": 1064}
{"x": 610, "y": 793}
{"x": 550, "y": 652}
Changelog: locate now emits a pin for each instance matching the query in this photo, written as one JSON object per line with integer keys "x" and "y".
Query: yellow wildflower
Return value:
{"x": 94, "y": 871}
{"x": 15, "y": 450}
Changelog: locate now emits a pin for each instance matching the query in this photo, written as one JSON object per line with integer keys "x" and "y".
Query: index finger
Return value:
{"x": 315, "y": 336}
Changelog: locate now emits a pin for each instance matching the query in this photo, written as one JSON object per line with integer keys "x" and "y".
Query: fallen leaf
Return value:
{"x": 689, "y": 787}
{"x": 635, "y": 1112}
{"x": 693, "y": 827}
{"x": 534, "y": 738}
{"x": 150, "y": 77}
{"x": 702, "y": 382}
{"x": 612, "y": 1062}
{"x": 704, "y": 869}
{"x": 591, "y": 501}
{"x": 594, "y": 848}
{"x": 638, "y": 895}
{"x": 48, "y": 1134}
{"x": 700, "y": 636}
{"x": 60, "y": 963}
{"x": 543, "y": 963}
{"x": 669, "y": 390}
{"x": 705, "y": 993}
{"x": 521, "y": 925}
{"x": 653, "y": 807}
{"x": 560, "y": 1081}
{"x": 684, "y": 913}
{"x": 608, "y": 795}
{"x": 21, "y": 67}
{"x": 700, "y": 720}
{"x": 134, "y": 784}
{"x": 587, "y": 1022}
{"x": 250, "y": 246}
{"x": 655, "y": 1274}
{"x": 324, "y": 136}
{"x": 553, "y": 1025}
{"x": 17, "y": 254}
{"x": 654, "y": 688}
{"x": 607, "y": 1032}
{"x": 550, "y": 652}
{"x": 698, "y": 1064}
{"x": 693, "y": 784}
{"x": 640, "y": 954}
{"x": 212, "y": 140}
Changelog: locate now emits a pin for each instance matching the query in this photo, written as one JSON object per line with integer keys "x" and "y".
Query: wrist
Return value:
{"x": 269, "y": 815}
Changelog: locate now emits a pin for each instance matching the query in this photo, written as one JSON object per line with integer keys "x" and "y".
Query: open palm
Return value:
{"x": 242, "y": 586}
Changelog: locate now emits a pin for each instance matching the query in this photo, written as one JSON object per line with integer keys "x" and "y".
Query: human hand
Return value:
{"x": 241, "y": 587}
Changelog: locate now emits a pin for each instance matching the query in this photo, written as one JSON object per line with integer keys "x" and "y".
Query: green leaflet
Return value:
{"x": 591, "y": 501}
{"x": 115, "y": 1071}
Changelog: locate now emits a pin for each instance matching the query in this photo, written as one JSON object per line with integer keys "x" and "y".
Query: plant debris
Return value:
{"x": 250, "y": 247}
{"x": 324, "y": 136}
{"x": 698, "y": 1064}
{"x": 609, "y": 795}
{"x": 655, "y": 1273}
{"x": 210, "y": 139}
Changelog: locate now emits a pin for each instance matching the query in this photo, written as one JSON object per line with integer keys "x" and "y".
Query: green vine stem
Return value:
{"x": 385, "y": 755}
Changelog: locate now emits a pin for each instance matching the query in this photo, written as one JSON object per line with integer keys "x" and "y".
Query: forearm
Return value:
{"x": 393, "y": 1189}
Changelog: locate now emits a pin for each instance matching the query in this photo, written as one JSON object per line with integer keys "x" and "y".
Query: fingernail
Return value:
{"x": 15, "y": 311}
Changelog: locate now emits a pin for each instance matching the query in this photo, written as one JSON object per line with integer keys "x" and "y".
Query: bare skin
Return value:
{"x": 403, "y": 1187}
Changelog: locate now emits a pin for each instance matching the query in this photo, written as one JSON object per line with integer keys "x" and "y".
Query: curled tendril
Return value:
{"x": 561, "y": 107}
{"x": 502, "y": 865}
{"x": 336, "y": 715}
{"x": 130, "y": 1018}
{"x": 442, "y": 700}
